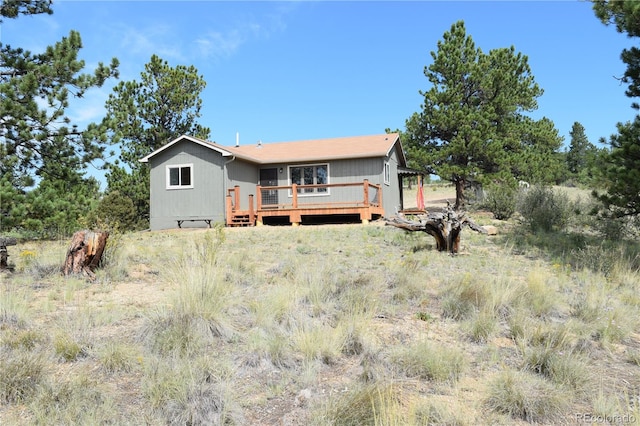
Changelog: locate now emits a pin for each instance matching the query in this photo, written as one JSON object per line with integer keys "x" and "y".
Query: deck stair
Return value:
{"x": 241, "y": 219}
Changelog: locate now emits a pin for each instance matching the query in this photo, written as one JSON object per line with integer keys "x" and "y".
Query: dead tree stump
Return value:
{"x": 4, "y": 253}
{"x": 444, "y": 226}
{"x": 85, "y": 253}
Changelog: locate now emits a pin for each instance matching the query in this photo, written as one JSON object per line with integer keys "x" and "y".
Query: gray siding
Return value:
{"x": 204, "y": 201}
{"x": 245, "y": 175}
{"x": 392, "y": 197}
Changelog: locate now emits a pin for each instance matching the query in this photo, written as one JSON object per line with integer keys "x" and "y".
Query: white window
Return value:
{"x": 387, "y": 173}
{"x": 310, "y": 174}
{"x": 180, "y": 176}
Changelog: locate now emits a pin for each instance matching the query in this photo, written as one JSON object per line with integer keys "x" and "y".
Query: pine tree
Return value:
{"x": 471, "y": 129}
{"x": 39, "y": 142}
{"x": 621, "y": 164}
{"x": 581, "y": 155}
{"x": 145, "y": 115}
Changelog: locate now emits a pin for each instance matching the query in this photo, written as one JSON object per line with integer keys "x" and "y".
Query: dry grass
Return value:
{"x": 320, "y": 325}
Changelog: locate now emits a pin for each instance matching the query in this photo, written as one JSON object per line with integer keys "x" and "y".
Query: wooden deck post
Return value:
{"x": 236, "y": 193}
{"x": 295, "y": 216}
{"x": 294, "y": 195}
{"x": 365, "y": 186}
{"x": 251, "y": 211}
{"x": 229, "y": 209}
{"x": 258, "y": 198}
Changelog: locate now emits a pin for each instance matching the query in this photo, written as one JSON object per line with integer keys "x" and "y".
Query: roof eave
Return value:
{"x": 206, "y": 144}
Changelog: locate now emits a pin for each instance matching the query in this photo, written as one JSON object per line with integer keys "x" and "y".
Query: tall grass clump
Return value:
{"x": 116, "y": 357}
{"x": 203, "y": 295}
{"x": 68, "y": 348}
{"x": 14, "y": 306}
{"x": 377, "y": 404}
{"x": 526, "y": 396}
{"x": 464, "y": 297}
{"x": 318, "y": 341}
{"x": 21, "y": 373}
{"x": 443, "y": 413}
{"x": 544, "y": 210}
{"x": 482, "y": 326}
{"x": 195, "y": 393}
{"x": 80, "y": 399}
{"x": 168, "y": 333}
{"x": 114, "y": 263}
{"x": 537, "y": 294}
{"x": 426, "y": 360}
{"x": 469, "y": 294}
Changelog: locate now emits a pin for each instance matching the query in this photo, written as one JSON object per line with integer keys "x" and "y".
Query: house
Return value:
{"x": 195, "y": 182}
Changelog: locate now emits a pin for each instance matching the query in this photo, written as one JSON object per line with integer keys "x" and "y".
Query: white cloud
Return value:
{"x": 216, "y": 45}
{"x": 150, "y": 40}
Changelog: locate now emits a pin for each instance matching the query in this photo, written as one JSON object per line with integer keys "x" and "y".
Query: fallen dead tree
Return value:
{"x": 85, "y": 253}
{"x": 444, "y": 226}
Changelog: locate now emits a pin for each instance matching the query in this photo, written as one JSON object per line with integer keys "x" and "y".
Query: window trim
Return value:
{"x": 387, "y": 173}
{"x": 178, "y": 166}
{"x": 314, "y": 193}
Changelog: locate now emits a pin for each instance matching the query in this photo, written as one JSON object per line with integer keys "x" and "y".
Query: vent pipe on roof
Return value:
{"x": 260, "y": 143}
{"x": 237, "y": 138}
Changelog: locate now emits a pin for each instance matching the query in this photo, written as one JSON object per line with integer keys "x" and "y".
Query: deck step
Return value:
{"x": 241, "y": 220}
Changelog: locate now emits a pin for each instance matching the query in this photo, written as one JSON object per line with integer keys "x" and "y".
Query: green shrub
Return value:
{"x": 114, "y": 212}
{"x": 543, "y": 209}
{"x": 501, "y": 200}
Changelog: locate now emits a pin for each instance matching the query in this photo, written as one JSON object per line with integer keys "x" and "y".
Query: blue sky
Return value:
{"x": 282, "y": 71}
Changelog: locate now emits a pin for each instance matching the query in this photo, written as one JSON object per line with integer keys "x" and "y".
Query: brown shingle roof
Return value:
{"x": 318, "y": 149}
{"x": 302, "y": 151}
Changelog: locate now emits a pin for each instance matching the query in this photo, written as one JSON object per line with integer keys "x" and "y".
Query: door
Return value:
{"x": 269, "y": 177}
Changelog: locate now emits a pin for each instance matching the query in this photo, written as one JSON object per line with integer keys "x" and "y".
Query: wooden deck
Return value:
{"x": 296, "y": 202}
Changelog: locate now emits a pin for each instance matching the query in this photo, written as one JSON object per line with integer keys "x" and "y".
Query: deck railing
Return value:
{"x": 310, "y": 199}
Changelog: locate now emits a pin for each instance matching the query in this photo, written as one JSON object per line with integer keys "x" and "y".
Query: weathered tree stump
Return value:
{"x": 85, "y": 253}
{"x": 444, "y": 226}
{"x": 4, "y": 253}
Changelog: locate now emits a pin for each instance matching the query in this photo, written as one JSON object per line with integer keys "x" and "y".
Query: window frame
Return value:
{"x": 313, "y": 191}
{"x": 387, "y": 173}
{"x": 168, "y": 169}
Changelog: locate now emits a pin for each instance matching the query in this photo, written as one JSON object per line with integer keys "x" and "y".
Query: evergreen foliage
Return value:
{"x": 40, "y": 144}
{"x": 114, "y": 212}
{"x": 581, "y": 156}
{"x": 621, "y": 170}
{"x": 143, "y": 116}
{"x": 471, "y": 129}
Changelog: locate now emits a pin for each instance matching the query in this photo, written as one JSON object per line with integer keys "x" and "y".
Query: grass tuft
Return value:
{"x": 526, "y": 396}
{"x": 426, "y": 360}
{"x": 21, "y": 373}
{"x": 375, "y": 404}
